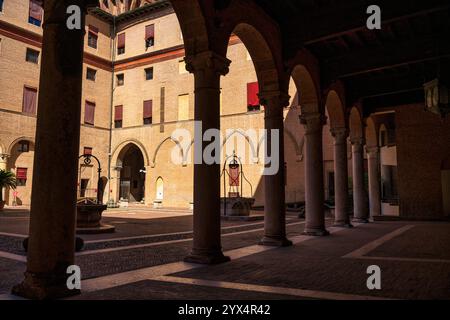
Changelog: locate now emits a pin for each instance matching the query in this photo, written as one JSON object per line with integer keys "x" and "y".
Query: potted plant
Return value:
{"x": 7, "y": 179}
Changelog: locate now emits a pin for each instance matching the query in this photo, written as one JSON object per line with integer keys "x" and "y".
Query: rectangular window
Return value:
{"x": 29, "y": 100}
{"x": 32, "y": 56}
{"x": 91, "y": 74}
{"x": 121, "y": 43}
{"x": 24, "y": 146}
{"x": 118, "y": 116}
{"x": 252, "y": 97}
{"x": 92, "y": 37}
{"x": 87, "y": 151}
{"x": 182, "y": 67}
{"x": 36, "y": 12}
{"x": 89, "y": 113}
{"x": 149, "y": 36}
{"x": 120, "y": 79}
{"x": 148, "y": 112}
{"x": 21, "y": 176}
{"x": 183, "y": 107}
{"x": 149, "y": 74}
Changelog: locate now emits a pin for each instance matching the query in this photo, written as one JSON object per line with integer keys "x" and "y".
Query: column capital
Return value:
{"x": 269, "y": 98}
{"x": 207, "y": 60}
{"x": 4, "y": 157}
{"x": 357, "y": 141}
{"x": 372, "y": 150}
{"x": 340, "y": 134}
{"x": 312, "y": 122}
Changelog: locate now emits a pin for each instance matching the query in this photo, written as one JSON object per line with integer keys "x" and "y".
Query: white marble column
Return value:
{"x": 314, "y": 185}
{"x": 359, "y": 199}
{"x": 341, "y": 211}
{"x": 207, "y": 68}
{"x": 275, "y": 203}
{"x": 373, "y": 154}
{"x": 51, "y": 248}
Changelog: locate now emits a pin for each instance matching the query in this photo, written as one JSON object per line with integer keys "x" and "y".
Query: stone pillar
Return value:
{"x": 342, "y": 217}
{"x": 53, "y": 204}
{"x": 359, "y": 198}
{"x": 3, "y": 166}
{"x": 207, "y": 68}
{"x": 314, "y": 186}
{"x": 275, "y": 203}
{"x": 373, "y": 154}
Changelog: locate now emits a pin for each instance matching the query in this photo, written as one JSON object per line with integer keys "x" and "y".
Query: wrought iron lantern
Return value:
{"x": 436, "y": 97}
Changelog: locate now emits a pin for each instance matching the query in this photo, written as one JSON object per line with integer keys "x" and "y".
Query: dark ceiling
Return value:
{"x": 379, "y": 67}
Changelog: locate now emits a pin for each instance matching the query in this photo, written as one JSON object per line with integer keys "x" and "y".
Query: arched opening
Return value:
{"x": 20, "y": 162}
{"x": 389, "y": 171}
{"x": 132, "y": 174}
{"x": 445, "y": 179}
{"x": 253, "y": 71}
{"x": 159, "y": 189}
{"x": 356, "y": 125}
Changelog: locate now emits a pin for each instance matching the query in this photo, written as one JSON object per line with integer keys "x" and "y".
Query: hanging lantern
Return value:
{"x": 436, "y": 97}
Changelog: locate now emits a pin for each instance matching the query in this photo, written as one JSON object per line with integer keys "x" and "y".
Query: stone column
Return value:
{"x": 275, "y": 203}
{"x": 373, "y": 154}
{"x": 342, "y": 217}
{"x": 314, "y": 186}
{"x": 3, "y": 166}
{"x": 207, "y": 68}
{"x": 359, "y": 202}
{"x": 53, "y": 203}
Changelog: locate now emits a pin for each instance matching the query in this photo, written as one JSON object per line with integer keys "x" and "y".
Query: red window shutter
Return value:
{"x": 21, "y": 173}
{"x": 148, "y": 109}
{"x": 29, "y": 100}
{"x": 150, "y": 32}
{"x": 252, "y": 94}
{"x": 87, "y": 151}
{"x": 89, "y": 113}
{"x": 118, "y": 113}
{"x": 36, "y": 10}
{"x": 121, "y": 40}
{"x": 93, "y": 30}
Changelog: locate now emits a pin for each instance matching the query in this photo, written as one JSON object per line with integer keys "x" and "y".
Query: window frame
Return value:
{"x": 30, "y": 50}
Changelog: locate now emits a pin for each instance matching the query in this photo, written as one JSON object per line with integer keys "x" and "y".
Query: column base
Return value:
{"x": 36, "y": 287}
{"x": 361, "y": 220}
{"x": 343, "y": 225}
{"x": 275, "y": 242}
{"x": 319, "y": 232}
{"x": 207, "y": 259}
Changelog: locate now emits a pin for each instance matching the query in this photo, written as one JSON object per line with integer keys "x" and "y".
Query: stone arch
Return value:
{"x": 191, "y": 17}
{"x": 16, "y": 141}
{"x": 335, "y": 107}
{"x": 371, "y": 133}
{"x": 177, "y": 143}
{"x": 120, "y": 150}
{"x": 257, "y": 30}
{"x": 304, "y": 70}
{"x": 247, "y": 138}
{"x": 264, "y": 58}
{"x": 356, "y": 124}
{"x": 298, "y": 146}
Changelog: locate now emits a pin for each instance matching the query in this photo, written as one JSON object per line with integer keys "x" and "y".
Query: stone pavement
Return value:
{"x": 143, "y": 260}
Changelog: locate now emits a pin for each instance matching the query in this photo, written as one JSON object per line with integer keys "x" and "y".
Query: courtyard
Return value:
{"x": 143, "y": 260}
